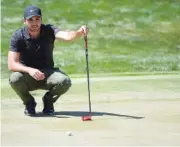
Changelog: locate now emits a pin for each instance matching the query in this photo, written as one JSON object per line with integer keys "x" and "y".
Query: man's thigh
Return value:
{"x": 19, "y": 78}
{"x": 55, "y": 77}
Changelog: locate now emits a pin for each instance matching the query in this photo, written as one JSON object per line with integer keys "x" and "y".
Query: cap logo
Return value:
{"x": 31, "y": 10}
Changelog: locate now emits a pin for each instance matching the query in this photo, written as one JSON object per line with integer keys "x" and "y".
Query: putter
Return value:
{"x": 88, "y": 117}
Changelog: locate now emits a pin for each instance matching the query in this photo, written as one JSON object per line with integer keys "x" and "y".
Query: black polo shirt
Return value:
{"x": 36, "y": 53}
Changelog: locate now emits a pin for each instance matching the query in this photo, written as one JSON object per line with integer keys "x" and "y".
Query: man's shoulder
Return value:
{"x": 47, "y": 26}
{"x": 52, "y": 28}
{"x": 18, "y": 33}
{"x": 16, "y": 40}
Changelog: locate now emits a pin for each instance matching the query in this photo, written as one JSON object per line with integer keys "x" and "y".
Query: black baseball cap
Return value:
{"x": 31, "y": 11}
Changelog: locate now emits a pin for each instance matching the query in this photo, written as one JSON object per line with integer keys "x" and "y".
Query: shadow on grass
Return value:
{"x": 69, "y": 114}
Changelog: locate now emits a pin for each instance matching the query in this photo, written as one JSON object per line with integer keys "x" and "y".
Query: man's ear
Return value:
{"x": 24, "y": 21}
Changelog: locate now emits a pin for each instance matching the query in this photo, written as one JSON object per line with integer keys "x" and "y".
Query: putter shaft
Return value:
{"x": 87, "y": 69}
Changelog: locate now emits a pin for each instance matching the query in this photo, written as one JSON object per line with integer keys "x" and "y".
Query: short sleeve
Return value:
{"x": 15, "y": 43}
{"x": 55, "y": 29}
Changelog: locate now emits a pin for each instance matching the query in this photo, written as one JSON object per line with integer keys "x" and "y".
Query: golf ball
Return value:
{"x": 69, "y": 133}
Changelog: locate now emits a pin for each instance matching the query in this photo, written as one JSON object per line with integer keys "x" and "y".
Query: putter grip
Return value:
{"x": 85, "y": 42}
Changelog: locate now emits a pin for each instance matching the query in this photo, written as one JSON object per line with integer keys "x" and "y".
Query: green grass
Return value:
{"x": 144, "y": 86}
{"x": 124, "y": 35}
{"x": 167, "y": 85}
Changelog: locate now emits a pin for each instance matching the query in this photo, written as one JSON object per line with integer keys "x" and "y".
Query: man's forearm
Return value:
{"x": 16, "y": 66}
{"x": 68, "y": 35}
{"x": 72, "y": 35}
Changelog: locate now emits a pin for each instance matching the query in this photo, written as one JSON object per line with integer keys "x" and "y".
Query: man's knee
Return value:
{"x": 62, "y": 85}
{"x": 15, "y": 77}
{"x": 59, "y": 78}
{"x": 66, "y": 82}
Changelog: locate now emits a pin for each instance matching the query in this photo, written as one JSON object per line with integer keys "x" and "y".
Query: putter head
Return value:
{"x": 86, "y": 118}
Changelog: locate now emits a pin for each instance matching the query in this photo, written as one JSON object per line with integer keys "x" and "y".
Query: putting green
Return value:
{"x": 142, "y": 110}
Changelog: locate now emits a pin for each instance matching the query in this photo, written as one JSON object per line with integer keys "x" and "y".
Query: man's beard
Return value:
{"x": 34, "y": 28}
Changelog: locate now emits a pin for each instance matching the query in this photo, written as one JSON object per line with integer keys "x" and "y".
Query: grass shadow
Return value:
{"x": 68, "y": 114}
{"x": 85, "y": 113}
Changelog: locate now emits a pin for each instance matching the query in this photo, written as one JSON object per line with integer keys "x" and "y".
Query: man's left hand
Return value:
{"x": 83, "y": 30}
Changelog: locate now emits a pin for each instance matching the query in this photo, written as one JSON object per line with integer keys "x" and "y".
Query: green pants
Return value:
{"x": 56, "y": 82}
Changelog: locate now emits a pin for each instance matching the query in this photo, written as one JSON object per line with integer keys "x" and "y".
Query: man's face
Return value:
{"x": 33, "y": 23}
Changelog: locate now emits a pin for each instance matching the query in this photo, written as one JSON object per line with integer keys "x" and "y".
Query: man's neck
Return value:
{"x": 34, "y": 35}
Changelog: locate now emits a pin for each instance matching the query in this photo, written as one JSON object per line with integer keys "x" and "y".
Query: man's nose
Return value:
{"x": 34, "y": 22}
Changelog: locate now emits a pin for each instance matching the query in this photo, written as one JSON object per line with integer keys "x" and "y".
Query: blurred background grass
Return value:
{"x": 124, "y": 35}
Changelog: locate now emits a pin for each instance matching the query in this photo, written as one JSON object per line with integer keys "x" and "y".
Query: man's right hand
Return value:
{"x": 36, "y": 74}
